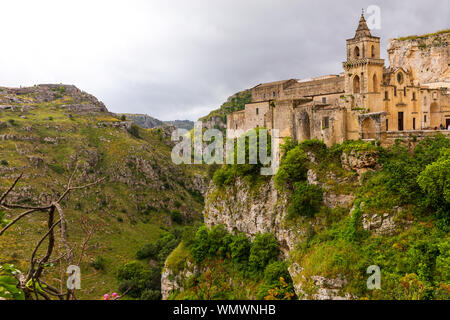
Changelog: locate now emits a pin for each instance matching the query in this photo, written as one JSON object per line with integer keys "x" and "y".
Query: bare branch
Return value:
{"x": 63, "y": 231}
{"x": 69, "y": 189}
{"x": 4, "y": 195}
{"x": 30, "y": 273}
{"x": 17, "y": 219}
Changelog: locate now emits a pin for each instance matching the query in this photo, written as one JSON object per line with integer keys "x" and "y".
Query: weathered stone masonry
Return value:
{"x": 367, "y": 101}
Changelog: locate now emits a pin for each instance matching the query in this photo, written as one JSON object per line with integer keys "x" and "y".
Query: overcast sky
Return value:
{"x": 181, "y": 59}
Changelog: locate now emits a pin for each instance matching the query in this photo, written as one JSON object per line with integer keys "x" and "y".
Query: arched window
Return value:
{"x": 356, "y": 85}
{"x": 434, "y": 108}
{"x": 356, "y": 52}
{"x": 375, "y": 83}
{"x": 373, "y": 51}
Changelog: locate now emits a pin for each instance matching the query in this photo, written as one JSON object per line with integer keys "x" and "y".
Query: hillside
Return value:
{"x": 314, "y": 229}
{"x": 46, "y": 132}
{"x": 147, "y": 122}
{"x": 217, "y": 119}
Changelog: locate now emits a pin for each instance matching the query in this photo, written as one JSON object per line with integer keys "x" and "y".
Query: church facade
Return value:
{"x": 367, "y": 101}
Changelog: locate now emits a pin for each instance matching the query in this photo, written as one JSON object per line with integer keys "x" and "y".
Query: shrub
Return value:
{"x": 435, "y": 181}
{"x": 264, "y": 250}
{"x": 123, "y": 118}
{"x": 4, "y": 163}
{"x": 176, "y": 217}
{"x": 275, "y": 271}
{"x": 99, "y": 263}
{"x": 223, "y": 176}
{"x": 148, "y": 251}
{"x": 319, "y": 148}
{"x": 278, "y": 283}
{"x": 200, "y": 247}
{"x": 135, "y": 279}
{"x": 288, "y": 145}
{"x": 306, "y": 200}
{"x": 212, "y": 168}
{"x": 240, "y": 249}
{"x": 292, "y": 169}
{"x": 134, "y": 131}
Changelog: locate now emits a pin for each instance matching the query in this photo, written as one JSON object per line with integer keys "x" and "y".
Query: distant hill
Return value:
{"x": 147, "y": 122}
{"x": 47, "y": 131}
{"x": 217, "y": 119}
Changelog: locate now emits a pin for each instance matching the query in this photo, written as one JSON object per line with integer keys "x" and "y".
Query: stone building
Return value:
{"x": 367, "y": 101}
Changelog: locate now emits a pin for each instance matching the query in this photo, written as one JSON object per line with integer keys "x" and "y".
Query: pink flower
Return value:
{"x": 106, "y": 297}
{"x": 114, "y": 295}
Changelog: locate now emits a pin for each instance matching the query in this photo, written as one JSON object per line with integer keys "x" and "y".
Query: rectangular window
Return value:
{"x": 425, "y": 118}
{"x": 400, "y": 121}
{"x": 387, "y": 124}
{"x": 386, "y": 95}
{"x": 257, "y": 111}
{"x": 414, "y": 123}
{"x": 404, "y": 91}
{"x": 274, "y": 94}
{"x": 324, "y": 100}
{"x": 326, "y": 122}
{"x": 395, "y": 91}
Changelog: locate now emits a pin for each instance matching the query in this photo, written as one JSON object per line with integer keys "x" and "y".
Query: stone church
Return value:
{"x": 367, "y": 101}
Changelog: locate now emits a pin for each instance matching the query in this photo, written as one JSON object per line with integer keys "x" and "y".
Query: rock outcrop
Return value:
{"x": 426, "y": 57}
{"x": 80, "y": 101}
{"x": 239, "y": 209}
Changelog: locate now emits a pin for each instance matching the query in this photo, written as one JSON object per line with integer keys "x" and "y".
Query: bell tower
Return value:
{"x": 364, "y": 69}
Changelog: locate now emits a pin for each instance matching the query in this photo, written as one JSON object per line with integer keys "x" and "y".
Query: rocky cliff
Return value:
{"x": 426, "y": 57}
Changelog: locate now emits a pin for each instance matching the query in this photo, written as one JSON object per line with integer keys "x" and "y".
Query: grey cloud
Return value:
{"x": 182, "y": 59}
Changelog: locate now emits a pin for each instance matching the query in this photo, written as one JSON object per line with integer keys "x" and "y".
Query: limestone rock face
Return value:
{"x": 359, "y": 161}
{"x": 426, "y": 58}
{"x": 171, "y": 282}
{"x": 238, "y": 209}
{"x": 241, "y": 209}
{"x": 325, "y": 288}
{"x": 215, "y": 123}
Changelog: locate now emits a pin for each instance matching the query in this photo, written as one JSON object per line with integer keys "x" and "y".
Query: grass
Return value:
{"x": 424, "y": 36}
{"x": 115, "y": 207}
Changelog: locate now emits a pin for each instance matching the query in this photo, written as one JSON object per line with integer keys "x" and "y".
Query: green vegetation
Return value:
{"x": 254, "y": 267}
{"x": 8, "y": 283}
{"x": 412, "y": 187}
{"x": 251, "y": 173}
{"x": 306, "y": 200}
{"x": 129, "y": 210}
{"x": 236, "y": 103}
{"x": 415, "y": 37}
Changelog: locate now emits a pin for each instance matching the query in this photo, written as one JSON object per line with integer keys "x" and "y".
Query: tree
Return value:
{"x": 306, "y": 200}
{"x": 292, "y": 169}
{"x": 31, "y": 284}
{"x": 265, "y": 249}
